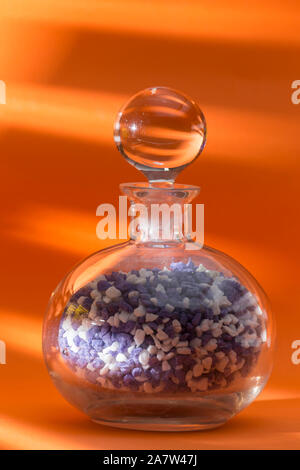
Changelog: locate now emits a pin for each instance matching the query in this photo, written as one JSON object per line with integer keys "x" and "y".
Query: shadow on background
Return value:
{"x": 250, "y": 209}
{"x": 252, "y": 75}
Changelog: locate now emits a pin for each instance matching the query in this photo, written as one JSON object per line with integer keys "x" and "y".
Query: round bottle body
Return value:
{"x": 172, "y": 339}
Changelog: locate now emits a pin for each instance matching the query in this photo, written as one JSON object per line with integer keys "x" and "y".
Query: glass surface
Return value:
{"x": 160, "y": 131}
{"x": 159, "y": 333}
{"x": 159, "y": 336}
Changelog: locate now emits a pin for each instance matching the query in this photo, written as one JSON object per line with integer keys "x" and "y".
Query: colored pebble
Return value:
{"x": 182, "y": 328}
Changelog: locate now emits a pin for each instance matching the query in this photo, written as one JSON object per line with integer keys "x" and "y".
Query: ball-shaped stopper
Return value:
{"x": 160, "y": 130}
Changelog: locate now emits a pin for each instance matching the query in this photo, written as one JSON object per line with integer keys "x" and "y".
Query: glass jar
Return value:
{"x": 159, "y": 333}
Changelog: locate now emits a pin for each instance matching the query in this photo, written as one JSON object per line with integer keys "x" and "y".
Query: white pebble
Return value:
{"x": 227, "y": 319}
{"x": 188, "y": 375}
{"x": 163, "y": 277}
{"x": 85, "y": 325}
{"x": 104, "y": 369}
{"x": 144, "y": 358}
{"x": 112, "y": 292}
{"x": 151, "y": 317}
{"x": 121, "y": 357}
{"x": 161, "y": 335}
{"x": 160, "y": 355}
{"x": 67, "y": 323}
{"x": 132, "y": 278}
{"x": 145, "y": 273}
{"x": 74, "y": 349}
{"x": 182, "y": 344}
{"x": 152, "y": 349}
{"x": 111, "y": 321}
{"x": 169, "y": 308}
{"x": 216, "y": 332}
{"x": 211, "y": 345}
{"x": 123, "y": 316}
{"x": 147, "y": 330}
{"x": 207, "y": 363}
{"x": 167, "y": 342}
{"x": 133, "y": 293}
{"x": 107, "y": 358}
{"x": 93, "y": 312}
{"x": 183, "y": 351}
{"x": 139, "y": 337}
{"x": 165, "y": 366}
{"x": 197, "y": 370}
{"x": 106, "y": 350}
{"x": 220, "y": 366}
{"x": 139, "y": 311}
{"x": 141, "y": 378}
{"x": 176, "y": 326}
{"x": 70, "y": 335}
{"x": 198, "y": 331}
{"x": 154, "y": 300}
{"x": 202, "y": 384}
{"x": 205, "y": 324}
{"x": 83, "y": 335}
{"x": 81, "y": 300}
{"x": 160, "y": 288}
{"x": 95, "y": 294}
{"x": 169, "y": 356}
{"x": 231, "y": 330}
{"x": 115, "y": 346}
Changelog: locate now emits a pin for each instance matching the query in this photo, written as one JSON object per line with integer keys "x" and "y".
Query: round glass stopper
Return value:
{"x": 160, "y": 131}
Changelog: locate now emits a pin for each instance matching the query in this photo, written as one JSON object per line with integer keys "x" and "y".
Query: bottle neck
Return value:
{"x": 161, "y": 213}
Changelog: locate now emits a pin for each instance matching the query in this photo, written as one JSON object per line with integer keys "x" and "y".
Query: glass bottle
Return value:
{"x": 160, "y": 332}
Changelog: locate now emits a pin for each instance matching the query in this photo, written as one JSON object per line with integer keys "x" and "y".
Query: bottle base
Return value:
{"x": 172, "y": 416}
{"x": 159, "y": 426}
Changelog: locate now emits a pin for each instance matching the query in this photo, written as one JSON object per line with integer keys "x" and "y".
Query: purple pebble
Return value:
{"x": 103, "y": 285}
{"x": 232, "y": 289}
{"x": 137, "y": 371}
{"x": 97, "y": 344}
{"x": 196, "y": 319}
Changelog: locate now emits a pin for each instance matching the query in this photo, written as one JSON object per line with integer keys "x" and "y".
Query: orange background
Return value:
{"x": 68, "y": 66}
